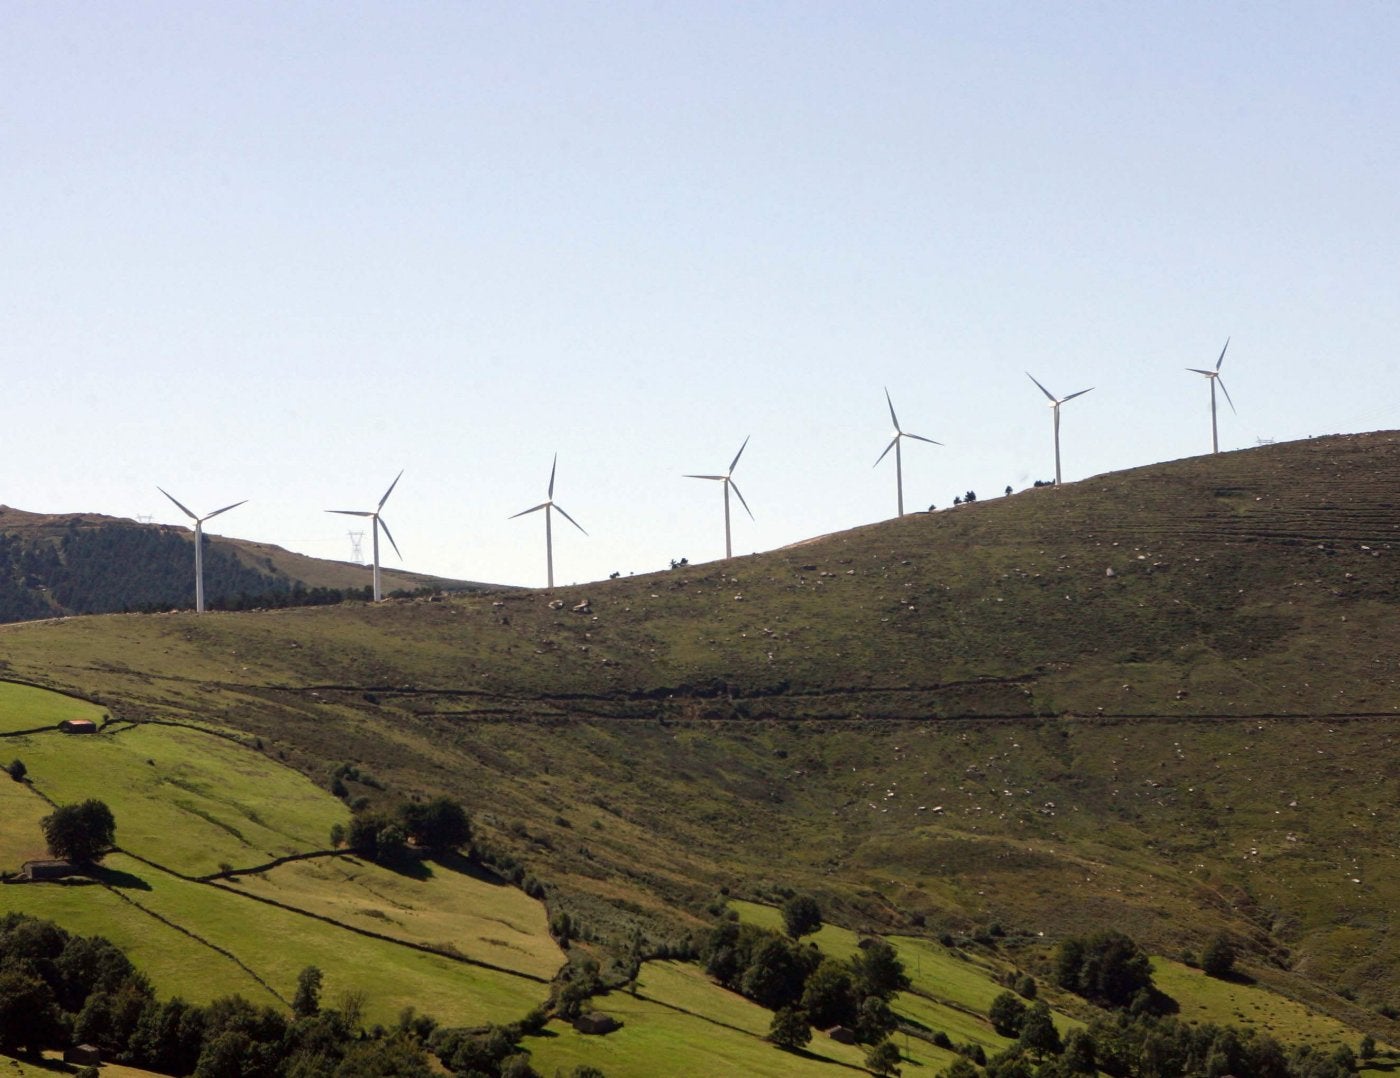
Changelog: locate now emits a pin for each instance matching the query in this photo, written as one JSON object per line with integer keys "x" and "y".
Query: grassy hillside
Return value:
{"x": 1161, "y": 699}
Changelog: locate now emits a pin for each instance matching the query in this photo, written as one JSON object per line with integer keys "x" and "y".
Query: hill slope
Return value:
{"x": 87, "y": 564}
{"x": 1161, "y": 699}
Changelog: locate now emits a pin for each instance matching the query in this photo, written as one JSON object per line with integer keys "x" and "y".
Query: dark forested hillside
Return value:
{"x": 57, "y": 566}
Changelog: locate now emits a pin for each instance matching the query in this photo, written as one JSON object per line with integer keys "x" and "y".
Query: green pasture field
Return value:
{"x": 835, "y": 941}
{"x": 188, "y": 800}
{"x": 278, "y": 944}
{"x": 681, "y": 1024}
{"x": 448, "y": 903}
{"x": 25, "y": 707}
{"x": 21, "y": 837}
{"x": 1248, "y": 1006}
{"x": 176, "y": 964}
{"x": 947, "y": 976}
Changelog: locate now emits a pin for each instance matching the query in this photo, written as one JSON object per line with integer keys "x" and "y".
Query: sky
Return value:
{"x": 282, "y": 251}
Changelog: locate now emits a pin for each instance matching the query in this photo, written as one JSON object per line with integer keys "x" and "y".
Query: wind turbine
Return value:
{"x": 898, "y": 459}
{"x": 1055, "y": 403}
{"x": 199, "y": 545}
{"x": 375, "y": 524}
{"x": 548, "y": 506}
{"x": 1215, "y": 380}
{"x": 728, "y": 483}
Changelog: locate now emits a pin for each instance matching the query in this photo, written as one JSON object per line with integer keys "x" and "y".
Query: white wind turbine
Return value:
{"x": 728, "y": 482}
{"x": 1055, "y": 403}
{"x": 199, "y": 545}
{"x": 1215, "y": 380}
{"x": 898, "y": 459}
{"x": 376, "y": 522}
{"x": 548, "y": 506}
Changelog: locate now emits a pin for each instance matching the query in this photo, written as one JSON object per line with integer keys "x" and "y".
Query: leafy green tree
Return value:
{"x": 801, "y": 916}
{"x": 829, "y": 996}
{"x": 1218, "y": 959}
{"x": 878, "y": 970}
{"x": 1007, "y": 1014}
{"x": 81, "y": 832}
{"x": 961, "y": 1068}
{"x": 874, "y": 1021}
{"x": 1038, "y": 1033}
{"x": 307, "y": 1000}
{"x": 29, "y": 1017}
{"x": 17, "y": 769}
{"x": 1079, "y": 1055}
{"x": 1367, "y": 1048}
{"x": 789, "y": 1029}
{"x": 776, "y": 974}
{"x": 1108, "y": 968}
{"x": 883, "y": 1058}
{"x": 440, "y": 824}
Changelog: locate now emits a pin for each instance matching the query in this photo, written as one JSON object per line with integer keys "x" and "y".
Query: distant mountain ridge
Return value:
{"x": 86, "y": 563}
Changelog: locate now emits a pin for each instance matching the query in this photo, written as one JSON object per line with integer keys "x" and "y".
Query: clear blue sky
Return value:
{"x": 281, "y": 251}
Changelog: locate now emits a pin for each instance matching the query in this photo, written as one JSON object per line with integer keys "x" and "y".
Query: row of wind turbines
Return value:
{"x": 549, "y": 506}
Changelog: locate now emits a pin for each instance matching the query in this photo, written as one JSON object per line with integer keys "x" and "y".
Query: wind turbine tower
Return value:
{"x": 899, "y": 435}
{"x": 199, "y": 545}
{"x": 728, "y": 482}
{"x": 376, "y": 522}
{"x": 549, "y": 507}
{"x": 1055, "y": 403}
{"x": 1215, "y": 379}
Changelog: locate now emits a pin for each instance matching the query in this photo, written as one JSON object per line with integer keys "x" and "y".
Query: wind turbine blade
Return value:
{"x": 389, "y": 491}
{"x": 739, "y": 454}
{"x": 1221, "y": 383}
{"x": 532, "y": 509}
{"x": 887, "y": 449}
{"x": 570, "y": 519}
{"x": 351, "y": 512}
{"x": 704, "y": 477}
{"x": 1079, "y": 394}
{"x": 893, "y": 418}
{"x": 1222, "y": 355}
{"x": 181, "y": 507}
{"x": 552, "y": 469}
{"x": 388, "y": 535}
{"x": 1197, "y": 370}
{"x": 1048, "y": 394}
{"x": 735, "y": 488}
{"x": 226, "y": 508}
{"x": 921, "y": 438}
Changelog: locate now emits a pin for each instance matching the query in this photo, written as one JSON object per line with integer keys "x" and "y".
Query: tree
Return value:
{"x": 1107, "y": 968}
{"x": 789, "y": 1029}
{"x": 307, "y": 1001}
{"x": 17, "y": 769}
{"x": 1007, "y": 1014}
{"x": 441, "y": 824}
{"x": 776, "y": 975}
{"x": 878, "y": 969}
{"x": 1038, "y": 1032}
{"x": 875, "y": 1021}
{"x": 1218, "y": 959}
{"x": 28, "y": 1016}
{"x": 829, "y": 995}
{"x": 883, "y": 1058}
{"x": 80, "y": 833}
{"x": 801, "y": 916}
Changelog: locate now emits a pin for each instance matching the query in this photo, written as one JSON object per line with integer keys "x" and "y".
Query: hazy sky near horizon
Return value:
{"x": 281, "y": 251}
